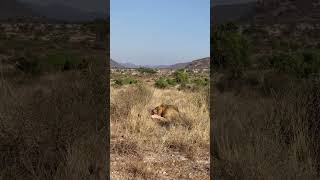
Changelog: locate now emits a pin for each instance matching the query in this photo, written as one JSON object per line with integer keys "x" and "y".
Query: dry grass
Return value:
{"x": 264, "y": 137}
{"x": 135, "y": 134}
{"x": 53, "y": 126}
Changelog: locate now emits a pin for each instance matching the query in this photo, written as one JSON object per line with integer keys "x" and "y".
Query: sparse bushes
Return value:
{"x": 51, "y": 63}
{"x": 181, "y": 77}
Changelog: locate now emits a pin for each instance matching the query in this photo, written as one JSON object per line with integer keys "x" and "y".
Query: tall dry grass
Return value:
{"x": 134, "y": 133}
{"x": 266, "y": 137}
{"x": 53, "y": 127}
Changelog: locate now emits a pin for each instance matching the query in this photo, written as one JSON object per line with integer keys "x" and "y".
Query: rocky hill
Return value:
{"x": 286, "y": 12}
{"x": 11, "y": 9}
{"x": 196, "y": 64}
{"x": 199, "y": 64}
{"x": 222, "y": 13}
{"x": 116, "y": 65}
{"x": 267, "y": 11}
{"x": 14, "y": 10}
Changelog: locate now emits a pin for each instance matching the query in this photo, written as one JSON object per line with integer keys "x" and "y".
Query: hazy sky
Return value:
{"x": 159, "y": 32}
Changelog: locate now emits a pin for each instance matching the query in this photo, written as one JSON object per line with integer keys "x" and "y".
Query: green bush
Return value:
{"x": 231, "y": 50}
{"x": 181, "y": 76}
{"x": 285, "y": 45}
{"x": 301, "y": 64}
{"x": 162, "y": 82}
{"x": 146, "y": 70}
{"x": 200, "y": 81}
{"x": 125, "y": 80}
{"x": 171, "y": 82}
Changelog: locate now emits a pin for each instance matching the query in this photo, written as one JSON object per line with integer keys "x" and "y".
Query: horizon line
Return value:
{"x": 158, "y": 64}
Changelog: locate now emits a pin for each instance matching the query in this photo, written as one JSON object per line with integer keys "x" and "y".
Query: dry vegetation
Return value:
{"x": 266, "y": 111}
{"x": 52, "y": 123}
{"x": 52, "y": 129}
{"x": 263, "y": 137}
{"x": 143, "y": 149}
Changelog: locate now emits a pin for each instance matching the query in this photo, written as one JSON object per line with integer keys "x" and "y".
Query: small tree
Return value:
{"x": 162, "y": 83}
{"x": 231, "y": 49}
{"x": 181, "y": 76}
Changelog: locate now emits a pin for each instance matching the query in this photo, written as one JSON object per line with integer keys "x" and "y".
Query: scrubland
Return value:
{"x": 52, "y": 110}
{"x": 265, "y": 105}
{"x": 143, "y": 149}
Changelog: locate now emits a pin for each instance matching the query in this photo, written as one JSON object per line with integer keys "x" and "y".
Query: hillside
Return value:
{"x": 196, "y": 64}
{"x": 266, "y": 12}
{"x": 116, "y": 65}
{"x": 285, "y": 12}
{"x": 232, "y": 12}
{"x": 16, "y": 10}
{"x": 65, "y": 13}
{"x": 199, "y": 64}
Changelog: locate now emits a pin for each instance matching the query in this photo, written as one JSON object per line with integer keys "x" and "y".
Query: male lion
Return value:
{"x": 168, "y": 114}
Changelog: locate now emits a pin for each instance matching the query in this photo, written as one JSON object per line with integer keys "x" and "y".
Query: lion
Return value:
{"x": 166, "y": 115}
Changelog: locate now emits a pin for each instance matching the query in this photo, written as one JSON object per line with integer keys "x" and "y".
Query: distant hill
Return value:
{"x": 14, "y": 10}
{"x": 284, "y": 12}
{"x": 65, "y": 13}
{"x": 174, "y": 66}
{"x": 10, "y": 9}
{"x": 199, "y": 64}
{"x": 196, "y": 64}
{"x": 232, "y": 12}
{"x": 114, "y": 64}
{"x": 129, "y": 65}
{"x": 266, "y": 11}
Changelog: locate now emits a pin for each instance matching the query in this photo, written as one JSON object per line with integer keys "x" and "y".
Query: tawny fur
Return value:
{"x": 170, "y": 115}
{"x": 165, "y": 110}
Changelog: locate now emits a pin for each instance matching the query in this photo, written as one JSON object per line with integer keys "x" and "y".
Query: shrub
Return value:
{"x": 302, "y": 64}
{"x": 146, "y": 70}
{"x": 201, "y": 81}
{"x": 231, "y": 50}
{"x": 125, "y": 80}
{"x": 162, "y": 83}
{"x": 171, "y": 82}
{"x": 181, "y": 76}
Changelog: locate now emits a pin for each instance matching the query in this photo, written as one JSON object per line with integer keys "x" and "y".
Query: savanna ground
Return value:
{"x": 52, "y": 94}
{"x": 143, "y": 149}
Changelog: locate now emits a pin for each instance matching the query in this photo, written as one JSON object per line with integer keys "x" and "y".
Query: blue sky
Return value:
{"x": 159, "y": 32}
